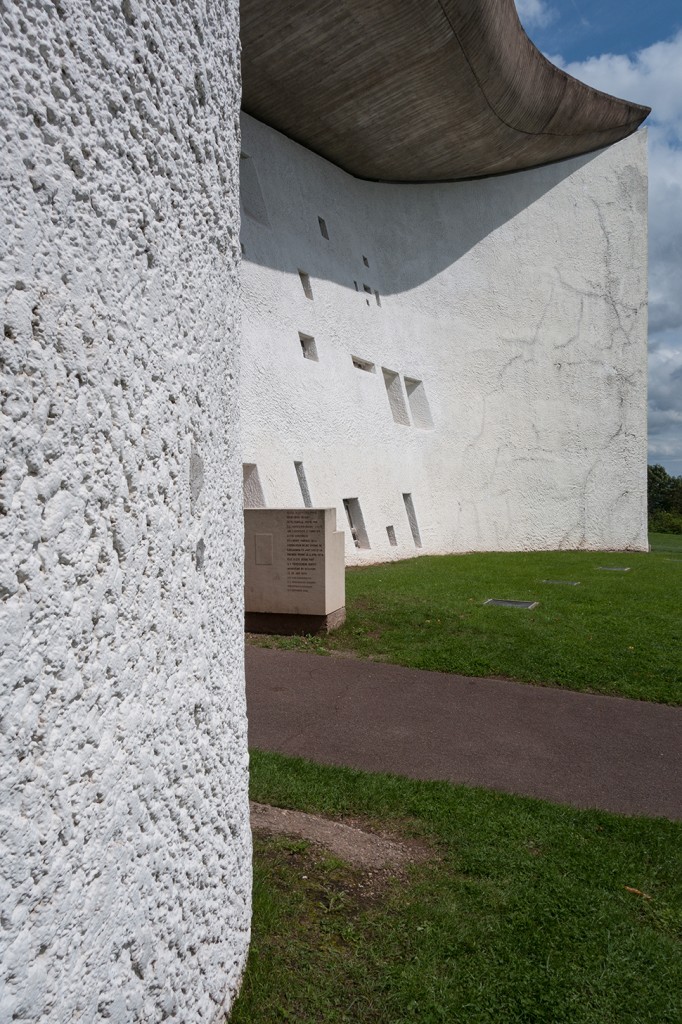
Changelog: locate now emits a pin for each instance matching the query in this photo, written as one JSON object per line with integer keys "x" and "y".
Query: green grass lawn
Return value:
{"x": 616, "y": 633}
{"x": 666, "y": 542}
{"x": 522, "y": 916}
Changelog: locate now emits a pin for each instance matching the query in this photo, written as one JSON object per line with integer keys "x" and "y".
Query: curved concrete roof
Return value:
{"x": 418, "y": 90}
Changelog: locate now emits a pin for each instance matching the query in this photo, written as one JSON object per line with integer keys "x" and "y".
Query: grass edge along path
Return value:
{"x": 523, "y": 916}
{"x": 616, "y": 633}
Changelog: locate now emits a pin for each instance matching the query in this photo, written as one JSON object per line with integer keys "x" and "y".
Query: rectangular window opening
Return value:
{"x": 362, "y": 364}
{"x": 365, "y": 261}
{"x": 323, "y": 227}
{"x": 367, "y": 289}
{"x": 252, "y": 487}
{"x": 305, "y": 284}
{"x": 419, "y": 405}
{"x": 308, "y": 346}
{"x": 412, "y": 520}
{"x": 391, "y": 536}
{"x": 377, "y": 297}
{"x": 250, "y": 192}
{"x": 356, "y": 522}
{"x": 394, "y": 390}
{"x": 356, "y": 286}
{"x": 303, "y": 484}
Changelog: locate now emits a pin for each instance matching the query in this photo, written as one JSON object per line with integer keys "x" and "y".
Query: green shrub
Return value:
{"x": 665, "y": 522}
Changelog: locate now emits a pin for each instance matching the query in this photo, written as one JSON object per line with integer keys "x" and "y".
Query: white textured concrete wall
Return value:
{"x": 519, "y": 302}
{"x": 125, "y": 848}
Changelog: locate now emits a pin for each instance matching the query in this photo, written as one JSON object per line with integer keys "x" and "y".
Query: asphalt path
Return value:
{"x": 581, "y": 749}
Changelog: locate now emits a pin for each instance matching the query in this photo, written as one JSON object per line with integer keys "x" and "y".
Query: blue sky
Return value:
{"x": 634, "y": 50}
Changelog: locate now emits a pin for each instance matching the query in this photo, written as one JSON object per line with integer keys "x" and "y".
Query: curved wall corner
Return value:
{"x": 476, "y": 378}
{"x": 124, "y": 832}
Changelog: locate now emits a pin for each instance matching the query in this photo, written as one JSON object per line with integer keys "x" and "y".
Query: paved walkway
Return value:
{"x": 572, "y": 748}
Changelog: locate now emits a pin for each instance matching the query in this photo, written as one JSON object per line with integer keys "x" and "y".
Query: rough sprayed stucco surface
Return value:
{"x": 125, "y": 847}
{"x": 504, "y": 379}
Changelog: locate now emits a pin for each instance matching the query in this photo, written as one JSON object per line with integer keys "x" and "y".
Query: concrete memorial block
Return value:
{"x": 294, "y": 570}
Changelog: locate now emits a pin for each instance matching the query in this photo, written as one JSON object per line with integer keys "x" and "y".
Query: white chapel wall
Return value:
{"x": 124, "y": 837}
{"x": 498, "y": 329}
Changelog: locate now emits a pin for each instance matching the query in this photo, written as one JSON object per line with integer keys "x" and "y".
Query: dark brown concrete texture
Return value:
{"x": 585, "y": 750}
{"x": 419, "y": 90}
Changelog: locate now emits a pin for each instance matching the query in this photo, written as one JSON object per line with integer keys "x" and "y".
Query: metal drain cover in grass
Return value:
{"x": 564, "y": 583}
{"x": 613, "y": 568}
{"x": 528, "y": 605}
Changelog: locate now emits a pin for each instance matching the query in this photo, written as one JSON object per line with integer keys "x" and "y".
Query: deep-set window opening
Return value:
{"x": 250, "y": 192}
{"x": 356, "y": 522}
{"x": 252, "y": 487}
{"x": 365, "y": 261}
{"x": 362, "y": 364}
{"x": 419, "y": 405}
{"x": 396, "y": 401}
{"x": 323, "y": 227}
{"x": 308, "y": 346}
{"x": 391, "y": 536}
{"x": 303, "y": 484}
{"x": 305, "y": 284}
{"x": 412, "y": 520}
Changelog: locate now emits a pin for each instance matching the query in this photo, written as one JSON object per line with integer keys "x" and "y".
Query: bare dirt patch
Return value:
{"x": 355, "y": 846}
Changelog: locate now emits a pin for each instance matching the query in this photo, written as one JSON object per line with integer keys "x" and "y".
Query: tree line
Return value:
{"x": 665, "y": 501}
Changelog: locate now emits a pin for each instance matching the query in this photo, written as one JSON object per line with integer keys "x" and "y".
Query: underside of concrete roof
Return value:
{"x": 419, "y": 90}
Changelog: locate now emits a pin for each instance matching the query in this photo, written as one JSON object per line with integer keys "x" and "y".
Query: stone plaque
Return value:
{"x": 305, "y": 552}
{"x": 263, "y": 549}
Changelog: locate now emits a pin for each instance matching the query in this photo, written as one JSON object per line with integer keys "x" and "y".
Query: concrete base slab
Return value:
{"x": 280, "y": 624}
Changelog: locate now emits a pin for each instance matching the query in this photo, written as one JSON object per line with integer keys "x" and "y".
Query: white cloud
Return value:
{"x": 653, "y": 76}
{"x": 535, "y": 13}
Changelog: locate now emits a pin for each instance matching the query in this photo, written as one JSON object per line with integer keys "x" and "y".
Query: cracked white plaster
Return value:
{"x": 520, "y": 302}
{"x": 124, "y": 830}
